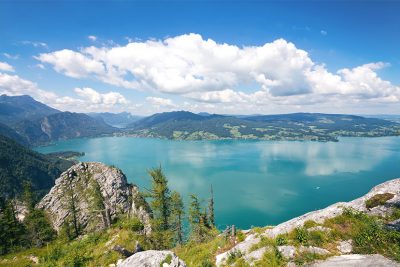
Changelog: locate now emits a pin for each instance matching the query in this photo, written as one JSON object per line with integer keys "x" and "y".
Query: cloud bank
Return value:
{"x": 207, "y": 71}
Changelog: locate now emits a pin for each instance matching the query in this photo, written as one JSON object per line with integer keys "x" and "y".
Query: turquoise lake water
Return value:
{"x": 256, "y": 183}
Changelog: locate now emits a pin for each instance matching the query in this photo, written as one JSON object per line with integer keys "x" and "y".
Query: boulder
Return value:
{"x": 243, "y": 247}
{"x": 255, "y": 255}
{"x": 314, "y": 250}
{"x": 287, "y": 251}
{"x": 356, "y": 260}
{"x": 94, "y": 194}
{"x": 345, "y": 247}
{"x": 153, "y": 258}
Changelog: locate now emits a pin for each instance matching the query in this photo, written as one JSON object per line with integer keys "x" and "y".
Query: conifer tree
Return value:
{"x": 28, "y": 196}
{"x": 211, "y": 215}
{"x": 160, "y": 198}
{"x": 177, "y": 213}
{"x": 160, "y": 204}
{"x": 195, "y": 218}
{"x": 11, "y": 230}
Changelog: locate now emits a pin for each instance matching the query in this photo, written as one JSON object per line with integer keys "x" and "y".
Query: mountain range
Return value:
{"x": 30, "y": 122}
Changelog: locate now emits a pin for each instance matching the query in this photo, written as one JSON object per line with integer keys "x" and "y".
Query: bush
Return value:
{"x": 38, "y": 228}
{"x": 233, "y": 256}
{"x": 281, "y": 240}
{"x": 301, "y": 235}
{"x": 132, "y": 224}
{"x": 378, "y": 200}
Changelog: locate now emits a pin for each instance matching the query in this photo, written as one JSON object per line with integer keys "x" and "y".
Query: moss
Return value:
{"x": 378, "y": 200}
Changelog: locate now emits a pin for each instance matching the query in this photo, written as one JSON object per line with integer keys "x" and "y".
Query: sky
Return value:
{"x": 229, "y": 57}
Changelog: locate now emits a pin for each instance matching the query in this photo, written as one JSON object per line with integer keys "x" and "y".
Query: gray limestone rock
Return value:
{"x": 98, "y": 193}
{"x": 356, "y": 260}
{"x": 152, "y": 258}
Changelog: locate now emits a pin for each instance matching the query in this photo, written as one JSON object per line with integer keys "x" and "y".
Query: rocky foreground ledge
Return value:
{"x": 342, "y": 252}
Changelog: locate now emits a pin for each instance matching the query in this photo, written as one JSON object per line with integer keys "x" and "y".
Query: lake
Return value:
{"x": 256, "y": 183}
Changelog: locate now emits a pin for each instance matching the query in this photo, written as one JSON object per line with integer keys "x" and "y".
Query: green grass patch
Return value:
{"x": 378, "y": 200}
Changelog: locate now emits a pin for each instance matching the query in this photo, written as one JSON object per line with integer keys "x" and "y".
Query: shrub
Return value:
{"x": 233, "y": 256}
{"x": 309, "y": 224}
{"x": 281, "y": 240}
{"x": 378, "y": 200}
{"x": 132, "y": 224}
{"x": 301, "y": 235}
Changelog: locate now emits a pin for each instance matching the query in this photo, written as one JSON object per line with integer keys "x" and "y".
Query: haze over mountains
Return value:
{"x": 28, "y": 121}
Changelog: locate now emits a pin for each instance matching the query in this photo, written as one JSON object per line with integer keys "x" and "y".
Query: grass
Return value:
{"x": 378, "y": 200}
{"x": 93, "y": 249}
{"x": 368, "y": 233}
{"x": 203, "y": 254}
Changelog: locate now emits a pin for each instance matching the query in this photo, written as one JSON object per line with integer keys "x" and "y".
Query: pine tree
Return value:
{"x": 161, "y": 236}
{"x": 177, "y": 213}
{"x": 72, "y": 207}
{"x": 28, "y": 197}
{"x": 11, "y": 230}
{"x": 160, "y": 198}
{"x": 211, "y": 208}
{"x": 38, "y": 227}
{"x": 195, "y": 218}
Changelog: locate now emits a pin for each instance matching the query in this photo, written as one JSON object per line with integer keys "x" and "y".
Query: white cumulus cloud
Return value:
{"x": 4, "y": 66}
{"x": 206, "y": 71}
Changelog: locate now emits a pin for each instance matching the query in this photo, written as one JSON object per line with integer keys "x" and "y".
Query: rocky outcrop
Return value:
{"x": 356, "y": 260}
{"x": 153, "y": 258}
{"x": 93, "y": 195}
{"x": 319, "y": 216}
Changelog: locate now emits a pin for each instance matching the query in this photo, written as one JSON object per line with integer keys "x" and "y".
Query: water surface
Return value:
{"x": 256, "y": 183}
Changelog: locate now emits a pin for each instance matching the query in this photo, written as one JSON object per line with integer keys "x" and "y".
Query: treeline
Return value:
{"x": 169, "y": 214}
{"x": 168, "y": 227}
{"x": 34, "y": 230}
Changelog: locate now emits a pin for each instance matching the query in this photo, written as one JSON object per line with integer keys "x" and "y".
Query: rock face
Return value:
{"x": 93, "y": 194}
{"x": 356, "y": 260}
{"x": 153, "y": 258}
{"x": 319, "y": 216}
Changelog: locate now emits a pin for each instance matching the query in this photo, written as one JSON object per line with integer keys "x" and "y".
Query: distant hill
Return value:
{"x": 185, "y": 125}
{"x": 19, "y": 164}
{"x": 16, "y": 108}
{"x": 119, "y": 120}
{"x": 59, "y": 126}
{"x": 12, "y": 134}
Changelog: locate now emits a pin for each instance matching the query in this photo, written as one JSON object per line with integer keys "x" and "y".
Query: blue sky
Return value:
{"x": 352, "y": 61}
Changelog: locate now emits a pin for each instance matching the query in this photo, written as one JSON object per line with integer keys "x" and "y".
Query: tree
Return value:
{"x": 161, "y": 235}
{"x": 11, "y": 230}
{"x": 211, "y": 214}
{"x": 98, "y": 206}
{"x": 160, "y": 198}
{"x": 195, "y": 218}
{"x": 38, "y": 227}
{"x": 72, "y": 220}
{"x": 177, "y": 213}
{"x": 28, "y": 196}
